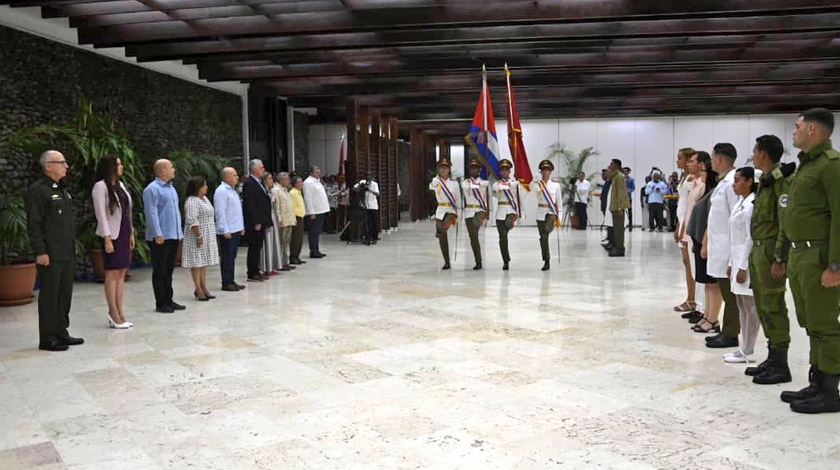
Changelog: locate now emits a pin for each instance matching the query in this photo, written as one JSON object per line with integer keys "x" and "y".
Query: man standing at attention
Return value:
{"x": 317, "y": 206}
{"x": 767, "y": 278}
{"x": 582, "y": 188}
{"x": 656, "y": 191}
{"x": 256, "y": 207}
{"x": 230, "y": 226}
{"x": 163, "y": 230}
{"x": 619, "y": 201}
{"x": 722, "y": 201}
{"x": 475, "y": 208}
{"x": 811, "y": 224}
{"x": 51, "y": 226}
{"x": 631, "y": 188}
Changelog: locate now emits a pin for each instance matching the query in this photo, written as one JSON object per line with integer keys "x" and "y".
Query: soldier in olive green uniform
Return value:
{"x": 811, "y": 224}
{"x": 52, "y": 235}
{"x": 768, "y": 286}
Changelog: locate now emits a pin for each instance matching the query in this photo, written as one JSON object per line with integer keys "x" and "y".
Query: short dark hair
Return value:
{"x": 772, "y": 146}
{"x": 727, "y": 150}
{"x": 194, "y": 184}
{"x": 820, "y": 116}
{"x": 626, "y": 168}
{"x": 616, "y": 162}
{"x": 294, "y": 180}
{"x": 748, "y": 172}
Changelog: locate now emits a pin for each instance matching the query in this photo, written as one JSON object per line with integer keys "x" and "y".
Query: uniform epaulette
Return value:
{"x": 832, "y": 154}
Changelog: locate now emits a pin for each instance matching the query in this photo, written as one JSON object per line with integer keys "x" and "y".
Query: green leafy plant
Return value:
{"x": 84, "y": 141}
{"x": 188, "y": 164}
{"x": 570, "y": 165}
{"x": 14, "y": 238}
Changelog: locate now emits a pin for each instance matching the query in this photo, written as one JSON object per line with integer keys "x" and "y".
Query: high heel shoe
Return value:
{"x": 686, "y": 306}
{"x": 200, "y": 299}
{"x": 117, "y": 326}
{"x": 713, "y": 328}
{"x": 210, "y": 296}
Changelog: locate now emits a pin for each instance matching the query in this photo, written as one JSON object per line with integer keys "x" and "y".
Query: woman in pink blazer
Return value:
{"x": 112, "y": 205}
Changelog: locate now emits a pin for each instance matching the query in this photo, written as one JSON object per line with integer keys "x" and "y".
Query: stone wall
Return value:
{"x": 42, "y": 80}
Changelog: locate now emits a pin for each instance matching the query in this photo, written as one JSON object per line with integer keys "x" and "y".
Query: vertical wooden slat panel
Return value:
{"x": 351, "y": 154}
{"x": 416, "y": 168}
{"x": 393, "y": 171}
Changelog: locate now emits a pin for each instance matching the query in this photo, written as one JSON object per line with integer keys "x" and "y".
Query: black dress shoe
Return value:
{"x": 477, "y": 267}
{"x": 616, "y": 253}
{"x": 177, "y": 306}
{"x": 546, "y": 266}
{"x": 53, "y": 345}
{"x": 505, "y": 267}
{"x": 230, "y": 288}
{"x": 446, "y": 266}
{"x": 317, "y": 255}
{"x": 715, "y": 337}
{"x": 165, "y": 309}
{"x": 255, "y": 279}
{"x": 71, "y": 341}
{"x": 722, "y": 342}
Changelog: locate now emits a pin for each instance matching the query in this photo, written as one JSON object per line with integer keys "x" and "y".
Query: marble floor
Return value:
{"x": 374, "y": 358}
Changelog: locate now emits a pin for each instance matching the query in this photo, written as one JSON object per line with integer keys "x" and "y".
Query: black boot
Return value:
{"x": 546, "y": 265}
{"x": 814, "y": 377}
{"x": 827, "y": 400}
{"x": 753, "y": 371}
{"x": 505, "y": 266}
{"x": 777, "y": 371}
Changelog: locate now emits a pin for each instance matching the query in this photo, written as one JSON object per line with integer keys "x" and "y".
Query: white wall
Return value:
{"x": 641, "y": 143}
{"x": 325, "y": 146}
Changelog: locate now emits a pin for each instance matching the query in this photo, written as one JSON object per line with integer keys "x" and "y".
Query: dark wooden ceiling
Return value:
{"x": 421, "y": 59}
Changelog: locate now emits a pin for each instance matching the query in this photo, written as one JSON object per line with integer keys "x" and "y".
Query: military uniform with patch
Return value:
{"x": 476, "y": 207}
{"x": 506, "y": 192}
{"x": 447, "y": 194}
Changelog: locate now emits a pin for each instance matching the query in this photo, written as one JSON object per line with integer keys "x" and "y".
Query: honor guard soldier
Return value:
{"x": 549, "y": 198}
{"x": 768, "y": 281}
{"x": 447, "y": 194}
{"x": 506, "y": 192}
{"x": 476, "y": 196}
{"x": 51, "y": 226}
{"x": 811, "y": 224}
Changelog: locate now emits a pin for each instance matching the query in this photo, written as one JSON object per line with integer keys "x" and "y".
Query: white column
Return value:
{"x": 290, "y": 132}
{"x": 246, "y": 144}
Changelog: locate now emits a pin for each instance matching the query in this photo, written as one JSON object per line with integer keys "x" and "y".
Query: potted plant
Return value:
{"x": 17, "y": 267}
{"x": 572, "y": 165}
{"x": 85, "y": 140}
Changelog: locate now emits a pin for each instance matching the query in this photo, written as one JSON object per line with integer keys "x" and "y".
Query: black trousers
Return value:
{"x": 54, "y": 299}
{"x": 657, "y": 217}
{"x": 163, "y": 263}
{"x": 255, "y": 240}
{"x": 545, "y": 227}
{"x": 672, "y": 214}
{"x": 630, "y": 214}
{"x": 583, "y": 219}
{"x": 372, "y": 224}
{"x": 473, "y": 227}
{"x": 227, "y": 256}
{"x": 313, "y": 231}
{"x": 297, "y": 240}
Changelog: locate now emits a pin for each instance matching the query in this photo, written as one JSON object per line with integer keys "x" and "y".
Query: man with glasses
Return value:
{"x": 51, "y": 225}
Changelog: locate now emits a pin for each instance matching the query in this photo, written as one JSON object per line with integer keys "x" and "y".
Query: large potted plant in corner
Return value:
{"x": 85, "y": 140}
{"x": 571, "y": 165}
{"x": 17, "y": 267}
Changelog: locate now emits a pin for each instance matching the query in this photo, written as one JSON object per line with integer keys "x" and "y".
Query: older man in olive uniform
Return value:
{"x": 768, "y": 281}
{"x": 52, "y": 235}
{"x": 811, "y": 224}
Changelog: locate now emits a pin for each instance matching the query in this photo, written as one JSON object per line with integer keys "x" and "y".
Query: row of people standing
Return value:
{"x": 750, "y": 230}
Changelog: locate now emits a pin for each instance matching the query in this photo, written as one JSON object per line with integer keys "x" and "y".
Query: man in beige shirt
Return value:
{"x": 286, "y": 218}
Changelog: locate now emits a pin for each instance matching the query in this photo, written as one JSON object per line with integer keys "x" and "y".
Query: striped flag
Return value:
{"x": 482, "y": 136}
{"x": 522, "y": 169}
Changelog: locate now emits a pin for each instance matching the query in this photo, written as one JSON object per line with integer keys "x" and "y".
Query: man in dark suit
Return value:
{"x": 256, "y": 209}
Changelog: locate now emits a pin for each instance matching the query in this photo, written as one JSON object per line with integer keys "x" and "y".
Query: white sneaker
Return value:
{"x": 738, "y": 357}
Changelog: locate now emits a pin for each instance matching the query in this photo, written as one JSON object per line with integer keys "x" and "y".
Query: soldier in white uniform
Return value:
{"x": 447, "y": 194}
{"x": 506, "y": 192}
{"x": 476, "y": 207}
{"x": 549, "y": 198}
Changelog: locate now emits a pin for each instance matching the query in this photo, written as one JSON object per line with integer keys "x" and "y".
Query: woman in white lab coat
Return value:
{"x": 740, "y": 245}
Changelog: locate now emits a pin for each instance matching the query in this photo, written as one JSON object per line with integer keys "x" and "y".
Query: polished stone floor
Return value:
{"x": 374, "y": 358}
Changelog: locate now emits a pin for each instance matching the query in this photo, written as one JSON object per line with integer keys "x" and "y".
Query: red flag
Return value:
{"x": 341, "y": 159}
{"x": 522, "y": 169}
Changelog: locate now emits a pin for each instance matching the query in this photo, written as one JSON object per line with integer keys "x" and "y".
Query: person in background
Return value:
{"x": 286, "y": 220}
{"x": 296, "y": 194}
{"x": 256, "y": 207}
{"x": 230, "y": 226}
{"x": 317, "y": 206}
{"x": 740, "y": 243}
{"x": 270, "y": 259}
{"x": 672, "y": 198}
{"x": 604, "y": 194}
{"x": 619, "y": 202}
{"x": 163, "y": 231}
{"x": 631, "y": 188}
{"x": 656, "y": 191}
{"x": 647, "y": 222}
{"x": 52, "y": 236}
{"x": 582, "y": 190}
{"x": 200, "y": 249}
{"x": 112, "y": 207}
{"x": 331, "y": 186}
{"x": 371, "y": 202}
{"x": 343, "y": 204}
{"x": 723, "y": 200}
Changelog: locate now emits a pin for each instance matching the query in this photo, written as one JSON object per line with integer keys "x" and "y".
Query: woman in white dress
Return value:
{"x": 270, "y": 261}
{"x": 684, "y": 189}
{"x": 199, "y": 249}
{"x": 739, "y": 262}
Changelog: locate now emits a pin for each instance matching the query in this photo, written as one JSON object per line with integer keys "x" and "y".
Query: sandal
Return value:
{"x": 686, "y": 306}
{"x": 714, "y": 327}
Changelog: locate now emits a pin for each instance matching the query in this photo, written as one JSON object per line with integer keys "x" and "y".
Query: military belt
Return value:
{"x": 504, "y": 203}
{"x": 806, "y": 244}
{"x": 473, "y": 206}
{"x": 764, "y": 242}
{"x": 544, "y": 205}
{"x": 444, "y": 204}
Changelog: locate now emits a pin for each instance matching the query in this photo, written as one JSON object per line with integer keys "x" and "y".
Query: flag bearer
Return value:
{"x": 447, "y": 194}
{"x": 506, "y": 192}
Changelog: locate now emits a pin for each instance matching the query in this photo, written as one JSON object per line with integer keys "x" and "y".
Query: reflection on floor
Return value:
{"x": 374, "y": 358}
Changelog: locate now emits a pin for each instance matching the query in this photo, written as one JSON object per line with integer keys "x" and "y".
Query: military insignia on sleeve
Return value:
{"x": 783, "y": 200}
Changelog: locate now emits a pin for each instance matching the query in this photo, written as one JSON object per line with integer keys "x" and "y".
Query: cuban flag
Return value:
{"x": 482, "y": 136}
